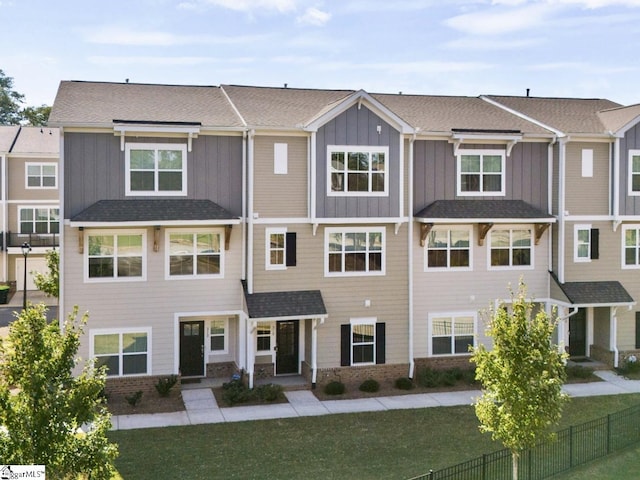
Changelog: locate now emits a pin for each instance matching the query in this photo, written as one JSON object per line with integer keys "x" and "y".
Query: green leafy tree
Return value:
{"x": 521, "y": 377}
{"x": 49, "y": 282}
{"x": 10, "y": 101}
{"x": 36, "y": 116}
{"x": 43, "y": 405}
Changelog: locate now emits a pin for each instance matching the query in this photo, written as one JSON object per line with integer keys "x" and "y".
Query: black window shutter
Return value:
{"x": 291, "y": 249}
{"x": 637, "y": 329}
{"x": 345, "y": 345}
{"x": 595, "y": 243}
{"x": 380, "y": 343}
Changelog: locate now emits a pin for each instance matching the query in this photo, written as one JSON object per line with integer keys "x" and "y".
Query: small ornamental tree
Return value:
{"x": 49, "y": 282}
{"x": 521, "y": 377}
{"x": 48, "y": 416}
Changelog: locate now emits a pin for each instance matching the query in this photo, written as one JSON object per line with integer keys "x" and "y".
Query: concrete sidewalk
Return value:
{"x": 201, "y": 406}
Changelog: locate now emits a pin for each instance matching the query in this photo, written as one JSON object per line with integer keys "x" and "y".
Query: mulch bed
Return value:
{"x": 150, "y": 402}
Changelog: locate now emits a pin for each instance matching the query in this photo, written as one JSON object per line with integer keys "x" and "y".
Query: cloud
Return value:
{"x": 501, "y": 21}
{"x": 112, "y": 35}
{"x": 490, "y": 44}
{"x": 400, "y": 68}
{"x": 149, "y": 60}
{"x": 314, "y": 16}
{"x": 281, "y": 6}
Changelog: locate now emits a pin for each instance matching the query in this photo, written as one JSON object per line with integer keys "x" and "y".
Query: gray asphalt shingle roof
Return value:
{"x": 599, "y": 292}
{"x": 481, "y": 209}
{"x": 152, "y": 210}
{"x": 303, "y": 304}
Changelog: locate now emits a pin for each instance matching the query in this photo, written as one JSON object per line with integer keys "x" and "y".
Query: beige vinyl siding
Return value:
{"x": 152, "y": 303}
{"x": 447, "y": 292}
{"x": 587, "y": 195}
{"x": 16, "y": 189}
{"x": 280, "y": 195}
{"x": 627, "y": 326}
{"x": 601, "y": 326}
{"x": 344, "y": 297}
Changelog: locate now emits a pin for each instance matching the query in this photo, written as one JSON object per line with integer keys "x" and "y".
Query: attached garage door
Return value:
{"x": 37, "y": 264}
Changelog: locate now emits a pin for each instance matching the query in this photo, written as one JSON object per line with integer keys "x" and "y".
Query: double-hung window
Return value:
{"x": 481, "y": 172}
{"x": 511, "y": 248}
{"x": 41, "y": 175}
{"x": 451, "y": 334}
{"x": 125, "y": 352}
{"x": 631, "y": 246}
{"x": 156, "y": 169}
{"x": 218, "y": 330}
{"x": 634, "y": 172}
{"x": 115, "y": 255}
{"x": 195, "y": 254}
{"x": 280, "y": 249}
{"x": 586, "y": 243}
{"x": 357, "y": 170}
{"x": 354, "y": 251}
{"x": 362, "y": 342}
{"x": 42, "y": 220}
{"x": 263, "y": 337}
{"x": 448, "y": 249}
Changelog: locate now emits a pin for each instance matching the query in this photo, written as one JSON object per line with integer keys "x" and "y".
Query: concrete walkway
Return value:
{"x": 201, "y": 406}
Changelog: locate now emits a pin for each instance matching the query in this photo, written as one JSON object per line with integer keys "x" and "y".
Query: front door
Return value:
{"x": 578, "y": 334}
{"x": 287, "y": 347}
{"x": 192, "y": 348}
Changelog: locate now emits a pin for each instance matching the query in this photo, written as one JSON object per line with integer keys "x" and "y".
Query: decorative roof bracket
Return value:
{"x": 483, "y": 229}
{"x": 540, "y": 229}
{"x": 425, "y": 228}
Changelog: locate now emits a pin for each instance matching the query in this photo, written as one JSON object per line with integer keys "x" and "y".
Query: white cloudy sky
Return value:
{"x": 583, "y": 48}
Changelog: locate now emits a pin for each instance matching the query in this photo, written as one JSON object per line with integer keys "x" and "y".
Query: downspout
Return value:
{"x": 5, "y": 212}
{"x": 561, "y": 322}
{"x": 561, "y": 208}
{"x": 616, "y": 181}
{"x": 244, "y": 206}
{"x": 312, "y": 180}
{"x": 250, "y": 213}
{"x": 314, "y": 351}
{"x": 613, "y": 339}
{"x": 61, "y": 236}
{"x": 410, "y": 254}
{"x": 550, "y": 205}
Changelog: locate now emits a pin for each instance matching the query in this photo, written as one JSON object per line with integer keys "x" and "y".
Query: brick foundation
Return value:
{"x": 129, "y": 385}
{"x": 444, "y": 363}
{"x": 352, "y": 377}
{"x": 623, "y": 355}
{"x": 221, "y": 370}
{"x": 601, "y": 354}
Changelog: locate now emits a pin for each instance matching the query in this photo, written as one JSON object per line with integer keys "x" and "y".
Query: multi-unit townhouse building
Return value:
{"x": 331, "y": 233}
{"x": 29, "y": 201}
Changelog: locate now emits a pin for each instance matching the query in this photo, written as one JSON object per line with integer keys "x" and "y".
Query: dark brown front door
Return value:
{"x": 192, "y": 348}
{"x": 578, "y": 333}
{"x": 287, "y": 347}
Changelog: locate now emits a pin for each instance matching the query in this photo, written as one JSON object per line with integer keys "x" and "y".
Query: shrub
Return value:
{"x": 370, "y": 385}
{"x": 404, "y": 383}
{"x": 269, "y": 392}
{"x": 428, "y": 377}
{"x": 235, "y": 391}
{"x": 165, "y": 384}
{"x": 134, "y": 398}
{"x": 448, "y": 378}
{"x": 334, "y": 388}
{"x": 578, "y": 372}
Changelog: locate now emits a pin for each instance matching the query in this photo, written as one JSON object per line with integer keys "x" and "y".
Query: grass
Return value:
{"x": 382, "y": 445}
{"x": 621, "y": 465}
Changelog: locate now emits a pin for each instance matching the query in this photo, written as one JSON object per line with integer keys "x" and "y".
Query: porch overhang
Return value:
{"x": 595, "y": 294}
{"x": 287, "y": 305}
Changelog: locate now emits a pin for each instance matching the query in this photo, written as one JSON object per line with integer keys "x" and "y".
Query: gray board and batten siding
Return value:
{"x": 358, "y": 126}
{"x": 435, "y": 173}
{"x": 95, "y": 170}
{"x": 629, "y": 205}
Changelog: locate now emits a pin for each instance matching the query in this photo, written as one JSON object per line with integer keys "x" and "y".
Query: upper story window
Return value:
{"x": 115, "y": 255}
{"x": 194, "y": 254}
{"x": 156, "y": 169}
{"x": 41, "y": 175}
{"x": 511, "y": 248}
{"x": 357, "y": 170}
{"x": 582, "y": 243}
{"x": 634, "y": 172}
{"x": 42, "y": 220}
{"x": 631, "y": 246}
{"x": 481, "y": 172}
{"x": 448, "y": 249}
{"x": 354, "y": 251}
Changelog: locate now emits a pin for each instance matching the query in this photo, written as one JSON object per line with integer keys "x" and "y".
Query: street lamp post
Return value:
{"x": 26, "y": 248}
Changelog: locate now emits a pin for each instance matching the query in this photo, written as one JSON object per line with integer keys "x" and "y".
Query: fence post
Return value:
{"x": 608, "y": 434}
{"x": 571, "y": 446}
{"x": 430, "y": 474}
{"x": 484, "y": 466}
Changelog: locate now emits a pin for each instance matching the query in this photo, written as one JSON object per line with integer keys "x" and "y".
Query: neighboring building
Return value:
{"x": 30, "y": 199}
{"x": 324, "y": 233}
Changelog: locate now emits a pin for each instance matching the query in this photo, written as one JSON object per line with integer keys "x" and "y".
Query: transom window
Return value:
{"x": 218, "y": 335}
{"x": 195, "y": 254}
{"x": 42, "y": 220}
{"x": 451, "y": 334}
{"x": 634, "y": 172}
{"x": 115, "y": 255}
{"x": 355, "y": 251}
{"x": 631, "y": 247}
{"x": 156, "y": 169}
{"x": 41, "y": 175}
{"x": 481, "y": 172}
{"x": 511, "y": 248}
{"x": 123, "y": 353}
{"x": 448, "y": 249}
{"x": 358, "y": 170}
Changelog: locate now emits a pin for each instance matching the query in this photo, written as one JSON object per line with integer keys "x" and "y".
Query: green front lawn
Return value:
{"x": 382, "y": 445}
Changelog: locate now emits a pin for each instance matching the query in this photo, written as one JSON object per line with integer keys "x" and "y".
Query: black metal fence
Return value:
{"x": 573, "y": 446}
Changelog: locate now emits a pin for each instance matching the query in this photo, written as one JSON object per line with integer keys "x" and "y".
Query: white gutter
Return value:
{"x": 616, "y": 179}
{"x": 312, "y": 178}
{"x": 410, "y": 255}
{"x": 61, "y": 236}
{"x": 550, "y": 204}
{"x": 244, "y": 207}
{"x": 250, "y": 213}
{"x": 5, "y": 213}
{"x": 561, "y": 207}
{"x": 613, "y": 337}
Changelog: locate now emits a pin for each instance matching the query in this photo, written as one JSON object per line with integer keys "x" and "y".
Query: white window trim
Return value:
{"x": 272, "y": 336}
{"x": 511, "y": 267}
{"x": 225, "y": 336}
{"x": 364, "y": 149}
{"x": 344, "y": 230}
{"x": 631, "y": 193}
{"x": 482, "y": 153}
{"x": 449, "y": 268}
{"x": 155, "y": 147}
{"x": 452, "y": 316}
{"x": 624, "y": 266}
{"x": 267, "y": 260}
{"x": 115, "y": 233}
{"x": 576, "y": 258}
{"x": 193, "y": 231}
{"x": 39, "y": 164}
{"x": 38, "y": 207}
{"x": 362, "y": 321}
{"x": 120, "y": 331}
